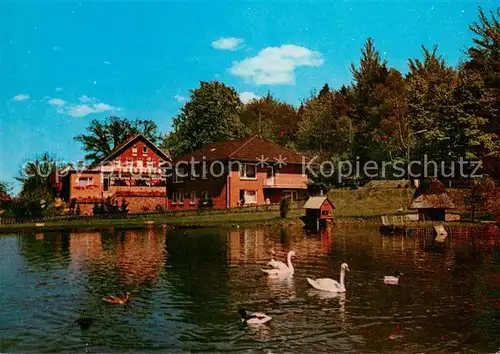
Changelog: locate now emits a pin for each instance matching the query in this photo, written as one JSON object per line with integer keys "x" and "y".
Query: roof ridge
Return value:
{"x": 126, "y": 142}
{"x": 283, "y": 147}
{"x": 242, "y": 146}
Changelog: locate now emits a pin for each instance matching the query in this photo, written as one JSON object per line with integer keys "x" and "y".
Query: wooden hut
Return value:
{"x": 319, "y": 212}
{"x": 431, "y": 200}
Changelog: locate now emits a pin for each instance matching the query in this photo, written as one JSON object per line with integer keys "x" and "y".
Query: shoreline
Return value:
{"x": 234, "y": 220}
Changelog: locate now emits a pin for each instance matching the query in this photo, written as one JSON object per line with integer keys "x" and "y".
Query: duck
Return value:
{"x": 392, "y": 279}
{"x": 280, "y": 268}
{"x": 118, "y": 300}
{"x": 253, "y": 318}
{"x": 84, "y": 321}
{"x": 327, "y": 284}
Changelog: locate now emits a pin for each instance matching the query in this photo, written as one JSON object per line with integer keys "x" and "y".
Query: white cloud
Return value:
{"x": 106, "y": 62}
{"x": 81, "y": 110}
{"x": 246, "y": 96}
{"x": 276, "y": 65}
{"x": 180, "y": 98}
{"x": 57, "y": 102}
{"x": 228, "y": 43}
{"x": 86, "y": 98}
{"x": 21, "y": 97}
{"x": 58, "y": 89}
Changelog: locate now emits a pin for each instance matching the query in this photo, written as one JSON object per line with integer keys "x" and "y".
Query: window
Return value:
{"x": 139, "y": 163}
{"x": 192, "y": 199}
{"x": 129, "y": 162}
{"x": 250, "y": 197}
{"x": 248, "y": 171}
{"x": 134, "y": 150}
{"x": 178, "y": 197}
{"x": 179, "y": 173}
{"x": 85, "y": 181}
{"x": 149, "y": 163}
{"x": 204, "y": 197}
{"x": 144, "y": 149}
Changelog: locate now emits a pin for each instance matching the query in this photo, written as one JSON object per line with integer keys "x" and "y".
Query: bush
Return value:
{"x": 284, "y": 207}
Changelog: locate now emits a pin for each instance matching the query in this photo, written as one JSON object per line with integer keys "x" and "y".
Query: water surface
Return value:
{"x": 187, "y": 286}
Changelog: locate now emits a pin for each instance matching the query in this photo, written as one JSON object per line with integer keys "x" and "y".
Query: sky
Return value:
{"x": 65, "y": 63}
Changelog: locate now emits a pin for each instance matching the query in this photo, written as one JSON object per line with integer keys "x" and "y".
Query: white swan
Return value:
{"x": 253, "y": 318}
{"x": 327, "y": 284}
{"x": 280, "y": 268}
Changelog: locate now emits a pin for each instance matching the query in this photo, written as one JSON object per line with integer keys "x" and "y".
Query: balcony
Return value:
{"x": 293, "y": 181}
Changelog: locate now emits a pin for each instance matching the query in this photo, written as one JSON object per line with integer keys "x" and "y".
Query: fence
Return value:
{"x": 145, "y": 215}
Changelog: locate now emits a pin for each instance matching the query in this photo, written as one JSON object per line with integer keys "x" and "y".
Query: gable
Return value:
{"x": 128, "y": 149}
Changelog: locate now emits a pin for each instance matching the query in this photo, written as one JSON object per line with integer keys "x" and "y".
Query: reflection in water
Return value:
{"x": 188, "y": 301}
{"x": 281, "y": 286}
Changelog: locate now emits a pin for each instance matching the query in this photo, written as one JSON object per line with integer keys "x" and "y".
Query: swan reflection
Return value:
{"x": 282, "y": 285}
{"x": 327, "y": 295}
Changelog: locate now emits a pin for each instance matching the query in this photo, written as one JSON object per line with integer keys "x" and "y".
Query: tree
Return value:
{"x": 5, "y": 199}
{"x": 104, "y": 137}
{"x": 325, "y": 127}
{"x": 483, "y": 196}
{"x": 38, "y": 191}
{"x": 370, "y": 92}
{"x": 483, "y": 69}
{"x": 271, "y": 119}
{"x": 211, "y": 115}
{"x": 429, "y": 95}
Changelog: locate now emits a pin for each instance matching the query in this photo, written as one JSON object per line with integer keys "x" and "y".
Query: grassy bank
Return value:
{"x": 374, "y": 202}
{"x": 220, "y": 220}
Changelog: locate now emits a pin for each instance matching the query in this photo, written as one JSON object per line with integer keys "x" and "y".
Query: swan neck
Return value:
{"x": 342, "y": 276}
{"x": 289, "y": 260}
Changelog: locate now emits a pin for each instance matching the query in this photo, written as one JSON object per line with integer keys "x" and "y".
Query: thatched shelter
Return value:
{"x": 431, "y": 200}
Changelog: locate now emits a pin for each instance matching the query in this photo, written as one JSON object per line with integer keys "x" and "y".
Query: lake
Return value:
{"x": 187, "y": 285}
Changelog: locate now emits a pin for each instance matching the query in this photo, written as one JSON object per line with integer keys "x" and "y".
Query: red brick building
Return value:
{"x": 250, "y": 171}
{"x": 132, "y": 172}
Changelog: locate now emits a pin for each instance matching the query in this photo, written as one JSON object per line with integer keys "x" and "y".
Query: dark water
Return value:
{"x": 187, "y": 286}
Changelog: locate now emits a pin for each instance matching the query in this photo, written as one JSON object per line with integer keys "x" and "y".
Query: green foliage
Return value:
{"x": 103, "y": 137}
{"x": 476, "y": 198}
{"x": 38, "y": 192}
{"x": 325, "y": 127}
{"x": 271, "y": 119}
{"x": 212, "y": 114}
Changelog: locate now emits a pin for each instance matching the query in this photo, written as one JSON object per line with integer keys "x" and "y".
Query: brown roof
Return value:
{"x": 431, "y": 195}
{"x": 130, "y": 141}
{"x": 248, "y": 149}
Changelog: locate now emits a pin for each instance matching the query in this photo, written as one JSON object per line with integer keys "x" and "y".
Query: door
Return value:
{"x": 106, "y": 183}
{"x": 270, "y": 176}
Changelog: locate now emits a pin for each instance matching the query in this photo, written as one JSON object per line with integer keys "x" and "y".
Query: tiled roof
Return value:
{"x": 129, "y": 141}
{"x": 248, "y": 149}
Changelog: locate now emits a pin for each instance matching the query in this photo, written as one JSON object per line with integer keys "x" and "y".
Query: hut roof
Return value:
{"x": 431, "y": 195}
{"x": 432, "y": 201}
{"x": 316, "y": 202}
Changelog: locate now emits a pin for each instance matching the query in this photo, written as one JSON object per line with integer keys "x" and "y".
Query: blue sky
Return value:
{"x": 66, "y": 63}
